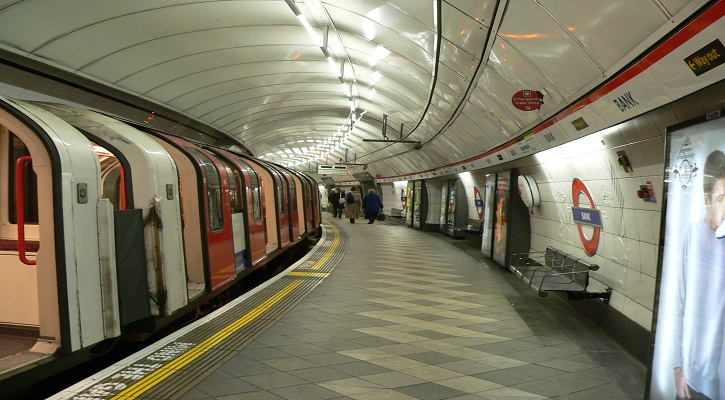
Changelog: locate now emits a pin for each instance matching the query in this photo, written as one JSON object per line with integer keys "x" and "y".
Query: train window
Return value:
{"x": 17, "y": 150}
{"x": 214, "y": 191}
{"x": 293, "y": 191}
{"x": 235, "y": 187}
{"x": 282, "y": 196}
{"x": 257, "y": 201}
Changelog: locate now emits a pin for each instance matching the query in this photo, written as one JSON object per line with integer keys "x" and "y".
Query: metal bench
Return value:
{"x": 556, "y": 271}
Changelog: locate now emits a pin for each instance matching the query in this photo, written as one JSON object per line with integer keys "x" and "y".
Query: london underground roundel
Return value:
{"x": 586, "y": 215}
{"x": 479, "y": 202}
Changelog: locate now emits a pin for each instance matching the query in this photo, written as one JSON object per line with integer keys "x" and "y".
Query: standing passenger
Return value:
{"x": 334, "y": 201}
{"x": 372, "y": 204}
{"x": 354, "y": 204}
{"x": 340, "y": 203}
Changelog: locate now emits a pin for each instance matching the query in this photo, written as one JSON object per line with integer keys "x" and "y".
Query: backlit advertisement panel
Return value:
{"x": 500, "y": 239}
{"x": 488, "y": 215}
{"x": 687, "y": 360}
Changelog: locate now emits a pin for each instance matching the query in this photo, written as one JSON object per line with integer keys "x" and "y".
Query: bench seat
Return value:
{"x": 556, "y": 271}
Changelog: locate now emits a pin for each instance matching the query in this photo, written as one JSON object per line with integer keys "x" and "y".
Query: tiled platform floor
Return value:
{"x": 409, "y": 315}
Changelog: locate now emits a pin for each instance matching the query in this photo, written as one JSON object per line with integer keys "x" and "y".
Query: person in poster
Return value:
{"x": 699, "y": 319}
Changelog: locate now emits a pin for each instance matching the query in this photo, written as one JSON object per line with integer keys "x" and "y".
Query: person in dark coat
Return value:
{"x": 372, "y": 204}
{"x": 334, "y": 200}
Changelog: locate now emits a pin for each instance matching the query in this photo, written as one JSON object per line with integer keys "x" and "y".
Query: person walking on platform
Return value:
{"x": 372, "y": 204}
{"x": 333, "y": 200}
{"x": 340, "y": 203}
{"x": 354, "y": 204}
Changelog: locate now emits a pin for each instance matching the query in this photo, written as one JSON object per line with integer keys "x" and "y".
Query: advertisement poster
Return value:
{"x": 687, "y": 360}
{"x": 503, "y": 187}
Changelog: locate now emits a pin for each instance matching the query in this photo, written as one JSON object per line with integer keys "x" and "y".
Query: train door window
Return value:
{"x": 281, "y": 195}
{"x": 255, "y": 189}
{"x": 293, "y": 191}
{"x": 17, "y": 150}
{"x": 214, "y": 191}
{"x": 235, "y": 187}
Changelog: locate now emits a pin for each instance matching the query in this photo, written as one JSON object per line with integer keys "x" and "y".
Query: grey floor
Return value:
{"x": 409, "y": 315}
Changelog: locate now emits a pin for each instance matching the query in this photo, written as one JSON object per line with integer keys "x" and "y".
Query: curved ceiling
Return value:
{"x": 441, "y": 74}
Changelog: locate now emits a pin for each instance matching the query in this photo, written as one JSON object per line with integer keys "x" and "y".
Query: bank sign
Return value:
{"x": 586, "y": 214}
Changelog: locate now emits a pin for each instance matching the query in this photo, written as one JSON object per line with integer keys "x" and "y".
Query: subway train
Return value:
{"x": 112, "y": 231}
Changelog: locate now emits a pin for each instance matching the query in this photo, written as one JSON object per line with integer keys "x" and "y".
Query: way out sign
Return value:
{"x": 527, "y": 100}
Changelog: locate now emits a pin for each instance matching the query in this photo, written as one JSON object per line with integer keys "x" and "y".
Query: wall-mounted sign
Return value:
{"x": 586, "y": 216}
{"x": 706, "y": 58}
{"x": 479, "y": 202}
{"x": 529, "y": 191}
{"x": 527, "y": 100}
{"x": 580, "y": 124}
{"x": 324, "y": 169}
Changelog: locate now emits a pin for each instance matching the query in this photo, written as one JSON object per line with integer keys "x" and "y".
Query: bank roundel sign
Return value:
{"x": 586, "y": 215}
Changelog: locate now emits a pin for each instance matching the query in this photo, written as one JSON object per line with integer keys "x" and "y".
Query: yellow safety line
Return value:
{"x": 164, "y": 372}
{"x": 159, "y": 375}
{"x": 331, "y": 251}
{"x": 310, "y": 274}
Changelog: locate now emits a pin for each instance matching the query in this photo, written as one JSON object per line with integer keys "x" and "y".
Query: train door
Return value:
{"x": 316, "y": 198}
{"x": 252, "y": 206}
{"x": 299, "y": 197}
{"x": 290, "y": 203}
{"x": 50, "y": 291}
{"x": 269, "y": 194}
{"x": 217, "y": 213}
{"x": 140, "y": 179}
{"x": 236, "y": 202}
{"x": 192, "y": 221}
{"x": 254, "y": 197}
{"x": 211, "y": 181}
{"x": 282, "y": 200}
{"x": 298, "y": 203}
{"x": 307, "y": 202}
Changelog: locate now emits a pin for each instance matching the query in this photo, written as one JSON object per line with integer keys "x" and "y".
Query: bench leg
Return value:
{"x": 605, "y": 296}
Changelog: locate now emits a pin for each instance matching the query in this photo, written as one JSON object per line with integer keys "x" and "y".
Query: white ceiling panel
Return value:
{"x": 480, "y": 10}
{"x": 590, "y": 22}
{"x": 252, "y": 43}
{"x": 463, "y": 31}
{"x": 547, "y": 46}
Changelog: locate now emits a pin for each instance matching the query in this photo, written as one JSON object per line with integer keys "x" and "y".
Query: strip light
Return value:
{"x": 338, "y": 70}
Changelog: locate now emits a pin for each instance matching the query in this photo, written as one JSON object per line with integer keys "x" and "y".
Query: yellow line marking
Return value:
{"x": 330, "y": 251}
{"x": 177, "y": 364}
{"x": 311, "y": 274}
{"x": 197, "y": 351}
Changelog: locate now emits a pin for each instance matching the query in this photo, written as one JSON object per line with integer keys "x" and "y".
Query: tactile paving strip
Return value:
{"x": 174, "y": 365}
